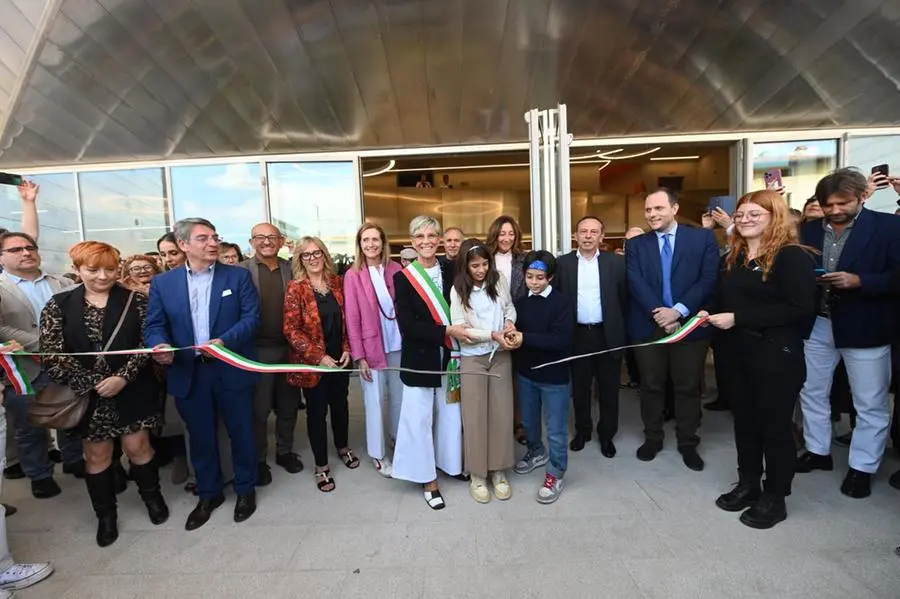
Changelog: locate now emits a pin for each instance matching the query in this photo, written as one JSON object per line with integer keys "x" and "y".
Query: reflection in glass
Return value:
{"x": 802, "y": 164}
{"x": 316, "y": 198}
{"x": 125, "y": 208}
{"x": 228, "y": 195}
{"x": 866, "y": 152}
{"x": 57, "y": 208}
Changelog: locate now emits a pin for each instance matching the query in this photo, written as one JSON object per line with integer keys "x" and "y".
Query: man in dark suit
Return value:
{"x": 271, "y": 276}
{"x": 200, "y": 303}
{"x": 860, "y": 254}
{"x": 672, "y": 272}
{"x": 594, "y": 282}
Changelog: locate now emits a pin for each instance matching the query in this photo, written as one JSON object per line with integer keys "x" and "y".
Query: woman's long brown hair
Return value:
{"x": 780, "y": 233}
{"x": 463, "y": 282}
{"x": 493, "y": 235}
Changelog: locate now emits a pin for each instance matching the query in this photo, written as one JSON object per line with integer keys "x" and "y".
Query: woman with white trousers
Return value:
{"x": 375, "y": 338}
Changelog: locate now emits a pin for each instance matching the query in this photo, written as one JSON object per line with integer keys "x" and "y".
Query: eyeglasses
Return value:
{"x": 269, "y": 238}
{"x": 140, "y": 269}
{"x": 308, "y": 256}
{"x": 21, "y": 248}
{"x": 749, "y": 216}
{"x": 204, "y": 239}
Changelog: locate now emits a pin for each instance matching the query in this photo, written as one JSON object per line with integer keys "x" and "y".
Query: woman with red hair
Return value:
{"x": 766, "y": 306}
{"x": 122, "y": 391}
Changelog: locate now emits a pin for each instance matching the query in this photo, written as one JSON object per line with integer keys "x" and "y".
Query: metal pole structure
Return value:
{"x": 546, "y": 182}
{"x": 564, "y": 193}
{"x": 534, "y": 172}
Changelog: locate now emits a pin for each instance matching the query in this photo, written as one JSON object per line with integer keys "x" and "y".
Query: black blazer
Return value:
{"x": 423, "y": 340}
{"x": 613, "y": 291}
{"x": 864, "y": 317}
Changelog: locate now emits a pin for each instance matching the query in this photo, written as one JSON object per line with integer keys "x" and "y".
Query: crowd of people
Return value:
{"x": 459, "y": 355}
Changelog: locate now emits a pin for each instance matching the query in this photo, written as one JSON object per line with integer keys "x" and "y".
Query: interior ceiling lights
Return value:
{"x": 381, "y": 169}
{"x": 675, "y": 158}
{"x": 615, "y": 155}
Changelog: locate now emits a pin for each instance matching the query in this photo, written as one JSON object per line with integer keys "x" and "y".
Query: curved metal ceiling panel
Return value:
{"x": 129, "y": 79}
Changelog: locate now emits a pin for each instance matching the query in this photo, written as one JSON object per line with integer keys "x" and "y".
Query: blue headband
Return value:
{"x": 539, "y": 265}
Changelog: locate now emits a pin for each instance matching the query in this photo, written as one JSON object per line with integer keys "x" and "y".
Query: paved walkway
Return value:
{"x": 623, "y": 529}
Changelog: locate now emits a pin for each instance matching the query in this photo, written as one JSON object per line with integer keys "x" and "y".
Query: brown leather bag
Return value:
{"x": 57, "y": 406}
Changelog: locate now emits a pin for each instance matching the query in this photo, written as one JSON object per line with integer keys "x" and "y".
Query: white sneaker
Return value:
{"x": 22, "y": 576}
{"x": 551, "y": 489}
{"x": 502, "y": 490}
{"x": 478, "y": 489}
{"x": 382, "y": 467}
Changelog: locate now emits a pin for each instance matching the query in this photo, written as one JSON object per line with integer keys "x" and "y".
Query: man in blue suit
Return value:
{"x": 860, "y": 254}
{"x": 204, "y": 302}
{"x": 672, "y": 272}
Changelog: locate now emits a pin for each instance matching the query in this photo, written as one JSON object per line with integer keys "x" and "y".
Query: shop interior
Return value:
{"x": 471, "y": 190}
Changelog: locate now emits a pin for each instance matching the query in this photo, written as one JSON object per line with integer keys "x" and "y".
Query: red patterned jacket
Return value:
{"x": 303, "y": 327}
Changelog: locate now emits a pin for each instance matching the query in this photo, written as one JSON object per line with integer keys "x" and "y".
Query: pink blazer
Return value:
{"x": 363, "y": 315}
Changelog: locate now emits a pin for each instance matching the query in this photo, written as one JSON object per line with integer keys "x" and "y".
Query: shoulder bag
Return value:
{"x": 58, "y": 406}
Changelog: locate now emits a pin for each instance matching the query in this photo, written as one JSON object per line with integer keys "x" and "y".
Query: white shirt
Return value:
{"x": 390, "y": 332}
{"x": 488, "y": 316}
{"x": 543, "y": 293}
{"x": 37, "y": 291}
{"x": 504, "y": 265}
{"x": 589, "y": 305}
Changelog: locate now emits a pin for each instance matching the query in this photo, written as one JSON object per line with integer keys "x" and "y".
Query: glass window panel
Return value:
{"x": 125, "y": 208}
{"x": 316, "y": 198}
{"x": 802, "y": 164}
{"x": 57, "y": 208}
{"x": 228, "y": 195}
{"x": 866, "y": 152}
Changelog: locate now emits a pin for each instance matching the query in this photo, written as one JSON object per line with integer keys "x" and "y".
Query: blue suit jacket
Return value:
{"x": 695, "y": 269}
{"x": 864, "y": 317}
{"x": 233, "y": 318}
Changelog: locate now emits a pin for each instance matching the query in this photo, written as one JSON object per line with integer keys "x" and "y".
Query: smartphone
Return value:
{"x": 10, "y": 179}
{"x": 726, "y": 203}
{"x": 882, "y": 169}
{"x": 773, "y": 179}
{"x": 820, "y": 272}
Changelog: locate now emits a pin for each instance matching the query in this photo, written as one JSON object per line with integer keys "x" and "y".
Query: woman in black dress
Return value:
{"x": 766, "y": 306}
{"x": 122, "y": 390}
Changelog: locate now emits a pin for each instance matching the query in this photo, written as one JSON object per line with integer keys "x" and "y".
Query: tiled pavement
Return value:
{"x": 623, "y": 529}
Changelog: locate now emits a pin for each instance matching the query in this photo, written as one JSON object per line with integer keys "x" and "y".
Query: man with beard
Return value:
{"x": 860, "y": 252}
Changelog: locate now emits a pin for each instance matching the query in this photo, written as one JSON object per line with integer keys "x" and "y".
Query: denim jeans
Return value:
{"x": 555, "y": 402}
{"x": 31, "y": 441}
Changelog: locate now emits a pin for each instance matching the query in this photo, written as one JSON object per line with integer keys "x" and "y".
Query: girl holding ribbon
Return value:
{"x": 480, "y": 301}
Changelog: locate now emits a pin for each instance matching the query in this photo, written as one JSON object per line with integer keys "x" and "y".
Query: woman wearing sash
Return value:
{"x": 429, "y": 435}
{"x": 375, "y": 337}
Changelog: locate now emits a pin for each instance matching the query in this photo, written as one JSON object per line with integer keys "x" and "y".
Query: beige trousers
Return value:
{"x": 487, "y": 414}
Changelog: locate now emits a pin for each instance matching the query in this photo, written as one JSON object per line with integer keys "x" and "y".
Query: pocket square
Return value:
{"x": 226, "y": 293}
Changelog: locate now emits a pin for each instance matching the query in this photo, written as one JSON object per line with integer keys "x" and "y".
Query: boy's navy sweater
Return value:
{"x": 547, "y": 326}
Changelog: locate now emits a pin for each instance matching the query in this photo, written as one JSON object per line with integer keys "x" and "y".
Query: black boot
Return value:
{"x": 103, "y": 498}
{"x": 765, "y": 513}
{"x": 742, "y": 496}
{"x": 120, "y": 477}
{"x": 146, "y": 477}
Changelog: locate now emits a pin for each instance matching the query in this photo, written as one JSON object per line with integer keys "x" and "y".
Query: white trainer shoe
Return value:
{"x": 502, "y": 490}
{"x": 382, "y": 467}
{"x": 478, "y": 489}
{"x": 22, "y": 576}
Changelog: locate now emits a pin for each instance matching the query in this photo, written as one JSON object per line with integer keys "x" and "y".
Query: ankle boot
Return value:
{"x": 146, "y": 476}
{"x": 743, "y": 495}
{"x": 765, "y": 513}
{"x": 103, "y": 498}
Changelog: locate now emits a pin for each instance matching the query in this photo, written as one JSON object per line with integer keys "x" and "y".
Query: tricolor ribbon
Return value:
{"x": 22, "y": 385}
{"x": 15, "y": 373}
{"x": 686, "y": 329}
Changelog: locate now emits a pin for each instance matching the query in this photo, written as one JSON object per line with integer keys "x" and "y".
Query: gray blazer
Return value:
{"x": 252, "y": 265}
{"x": 17, "y": 318}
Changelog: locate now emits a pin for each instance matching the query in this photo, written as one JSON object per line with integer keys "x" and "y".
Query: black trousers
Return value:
{"x": 684, "y": 362}
{"x": 719, "y": 371}
{"x": 763, "y": 380}
{"x": 634, "y": 373}
{"x": 606, "y": 369}
{"x": 331, "y": 392}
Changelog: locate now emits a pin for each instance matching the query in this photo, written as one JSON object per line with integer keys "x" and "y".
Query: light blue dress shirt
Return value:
{"x": 199, "y": 289}
{"x": 660, "y": 235}
{"x": 37, "y": 291}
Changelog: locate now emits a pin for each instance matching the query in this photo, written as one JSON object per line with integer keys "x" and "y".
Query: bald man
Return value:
{"x": 271, "y": 276}
{"x": 630, "y": 233}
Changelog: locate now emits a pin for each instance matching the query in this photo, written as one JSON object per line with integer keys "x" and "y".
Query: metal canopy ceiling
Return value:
{"x": 110, "y": 80}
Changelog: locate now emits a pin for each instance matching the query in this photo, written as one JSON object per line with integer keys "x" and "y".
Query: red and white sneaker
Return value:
{"x": 382, "y": 467}
{"x": 551, "y": 490}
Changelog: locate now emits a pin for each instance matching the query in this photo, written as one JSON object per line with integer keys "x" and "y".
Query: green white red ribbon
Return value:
{"x": 686, "y": 329}
{"x": 22, "y": 384}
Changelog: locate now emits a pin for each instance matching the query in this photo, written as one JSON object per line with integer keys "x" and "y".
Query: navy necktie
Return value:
{"x": 666, "y": 257}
